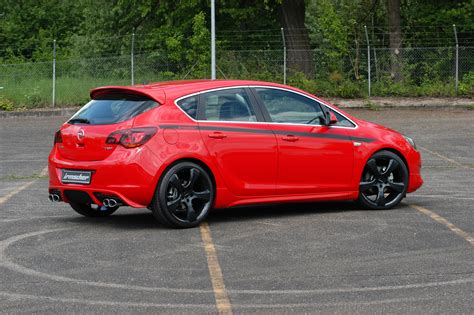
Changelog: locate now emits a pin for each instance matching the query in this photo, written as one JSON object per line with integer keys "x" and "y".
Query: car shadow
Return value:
{"x": 127, "y": 219}
{"x": 248, "y": 213}
{"x": 130, "y": 219}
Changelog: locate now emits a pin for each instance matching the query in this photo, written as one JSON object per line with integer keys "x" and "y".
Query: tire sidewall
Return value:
{"x": 387, "y": 154}
{"x": 160, "y": 195}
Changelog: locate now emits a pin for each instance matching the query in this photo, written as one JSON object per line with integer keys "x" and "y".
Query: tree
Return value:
{"x": 395, "y": 39}
{"x": 292, "y": 18}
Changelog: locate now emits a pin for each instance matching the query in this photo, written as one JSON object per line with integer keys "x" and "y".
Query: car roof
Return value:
{"x": 160, "y": 91}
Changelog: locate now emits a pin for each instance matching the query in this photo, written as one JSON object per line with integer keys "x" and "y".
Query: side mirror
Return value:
{"x": 332, "y": 118}
{"x": 329, "y": 117}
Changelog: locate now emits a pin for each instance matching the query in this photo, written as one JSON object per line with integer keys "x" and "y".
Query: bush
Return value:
{"x": 466, "y": 86}
{"x": 335, "y": 85}
{"x": 6, "y": 104}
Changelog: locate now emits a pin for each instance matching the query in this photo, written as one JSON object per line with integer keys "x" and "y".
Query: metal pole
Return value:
{"x": 376, "y": 68}
{"x": 457, "y": 58}
{"x": 213, "y": 39}
{"x": 54, "y": 73}
{"x": 132, "y": 63}
{"x": 368, "y": 56}
{"x": 284, "y": 54}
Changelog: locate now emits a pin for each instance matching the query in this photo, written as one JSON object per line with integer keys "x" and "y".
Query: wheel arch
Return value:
{"x": 193, "y": 160}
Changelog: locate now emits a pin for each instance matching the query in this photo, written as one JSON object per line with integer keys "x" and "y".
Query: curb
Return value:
{"x": 40, "y": 113}
{"x": 405, "y": 102}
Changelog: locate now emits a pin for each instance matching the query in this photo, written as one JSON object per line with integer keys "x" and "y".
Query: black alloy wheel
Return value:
{"x": 92, "y": 210}
{"x": 184, "y": 196}
{"x": 384, "y": 181}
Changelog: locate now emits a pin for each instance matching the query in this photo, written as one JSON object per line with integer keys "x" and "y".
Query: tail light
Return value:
{"x": 57, "y": 137}
{"x": 131, "y": 138}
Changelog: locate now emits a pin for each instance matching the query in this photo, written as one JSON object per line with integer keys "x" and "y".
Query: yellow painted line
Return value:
{"x": 446, "y": 223}
{"x": 447, "y": 159}
{"x": 220, "y": 293}
{"x": 21, "y": 188}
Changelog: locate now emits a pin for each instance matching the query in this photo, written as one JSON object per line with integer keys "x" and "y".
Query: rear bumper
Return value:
{"x": 127, "y": 174}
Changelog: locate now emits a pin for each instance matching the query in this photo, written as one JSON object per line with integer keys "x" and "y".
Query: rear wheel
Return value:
{"x": 184, "y": 196}
{"x": 92, "y": 210}
{"x": 384, "y": 181}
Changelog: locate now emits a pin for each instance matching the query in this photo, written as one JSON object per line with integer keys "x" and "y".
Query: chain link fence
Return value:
{"x": 422, "y": 70}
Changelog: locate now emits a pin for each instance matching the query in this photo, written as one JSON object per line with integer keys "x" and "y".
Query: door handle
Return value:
{"x": 217, "y": 135}
{"x": 290, "y": 138}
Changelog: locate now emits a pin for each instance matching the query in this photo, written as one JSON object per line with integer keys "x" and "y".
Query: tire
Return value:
{"x": 384, "y": 181}
{"x": 88, "y": 210}
{"x": 184, "y": 196}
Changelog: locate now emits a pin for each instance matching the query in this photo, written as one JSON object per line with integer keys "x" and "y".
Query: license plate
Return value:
{"x": 76, "y": 177}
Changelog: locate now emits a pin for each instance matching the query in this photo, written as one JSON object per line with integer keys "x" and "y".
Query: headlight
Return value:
{"x": 410, "y": 141}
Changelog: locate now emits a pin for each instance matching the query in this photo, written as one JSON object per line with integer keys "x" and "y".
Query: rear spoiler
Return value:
{"x": 156, "y": 94}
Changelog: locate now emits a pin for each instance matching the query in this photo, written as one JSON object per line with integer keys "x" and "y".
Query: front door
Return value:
{"x": 243, "y": 147}
{"x": 313, "y": 158}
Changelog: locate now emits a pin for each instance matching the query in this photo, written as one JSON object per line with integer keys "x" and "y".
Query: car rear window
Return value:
{"x": 112, "y": 108}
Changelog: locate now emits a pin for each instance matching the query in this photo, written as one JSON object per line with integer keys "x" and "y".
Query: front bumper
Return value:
{"x": 415, "y": 181}
{"x": 127, "y": 174}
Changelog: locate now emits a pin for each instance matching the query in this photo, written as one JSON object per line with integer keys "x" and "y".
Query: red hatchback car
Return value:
{"x": 181, "y": 148}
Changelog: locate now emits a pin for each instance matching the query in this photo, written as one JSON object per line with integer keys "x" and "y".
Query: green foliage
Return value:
{"x": 172, "y": 41}
{"x": 371, "y": 106}
{"x": 339, "y": 88}
{"x": 6, "y": 104}
{"x": 466, "y": 86}
{"x": 199, "y": 40}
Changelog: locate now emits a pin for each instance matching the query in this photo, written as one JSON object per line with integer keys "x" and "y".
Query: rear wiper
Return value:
{"x": 79, "y": 121}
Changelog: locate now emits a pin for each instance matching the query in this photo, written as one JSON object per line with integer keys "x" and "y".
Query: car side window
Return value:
{"x": 341, "y": 120}
{"x": 288, "y": 107}
{"x": 189, "y": 106}
{"x": 228, "y": 105}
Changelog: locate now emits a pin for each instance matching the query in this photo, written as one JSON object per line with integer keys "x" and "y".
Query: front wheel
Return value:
{"x": 184, "y": 196}
{"x": 384, "y": 181}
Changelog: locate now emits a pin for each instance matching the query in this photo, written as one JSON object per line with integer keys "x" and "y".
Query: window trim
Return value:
{"x": 254, "y": 106}
{"x": 257, "y": 107}
{"x": 267, "y": 114}
{"x": 321, "y": 104}
{"x": 197, "y": 105}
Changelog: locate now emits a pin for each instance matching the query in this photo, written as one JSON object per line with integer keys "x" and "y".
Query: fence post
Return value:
{"x": 376, "y": 67}
{"x": 368, "y": 57}
{"x": 457, "y": 59}
{"x": 132, "y": 63}
{"x": 284, "y": 54}
{"x": 213, "y": 39}
{"x": 54, "y": 74}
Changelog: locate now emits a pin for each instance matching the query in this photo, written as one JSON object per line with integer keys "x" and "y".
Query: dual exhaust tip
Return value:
{"x": 108, "y": 202}
{"x": 54, "y": 197}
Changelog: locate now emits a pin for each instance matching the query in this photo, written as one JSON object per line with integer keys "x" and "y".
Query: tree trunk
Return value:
{"x": 395, "y": 37}
{"x": 299, "y": 55}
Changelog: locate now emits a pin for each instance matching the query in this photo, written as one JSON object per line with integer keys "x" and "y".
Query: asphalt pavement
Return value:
{"x": 292, "y": 258}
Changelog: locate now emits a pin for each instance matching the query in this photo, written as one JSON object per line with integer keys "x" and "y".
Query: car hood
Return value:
{"x": 379, "y": 132}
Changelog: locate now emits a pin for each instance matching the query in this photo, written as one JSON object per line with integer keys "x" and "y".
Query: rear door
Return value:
{"x": 84, "y": 135}
{"x": 313, "y": 158}
{"x": 243, "y": 146}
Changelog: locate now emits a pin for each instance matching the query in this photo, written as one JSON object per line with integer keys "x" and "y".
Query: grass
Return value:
{"x": 371, "y": 106}
{"x": 24, "y": 93}
{"x": 17, "y": 177}
{"x": 30, "y": 93}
